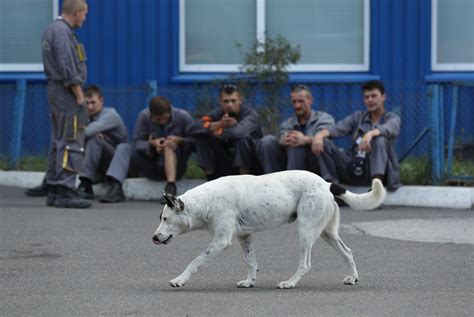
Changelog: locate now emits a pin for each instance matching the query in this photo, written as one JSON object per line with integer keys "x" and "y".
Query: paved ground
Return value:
{"x": 100, "y": 261}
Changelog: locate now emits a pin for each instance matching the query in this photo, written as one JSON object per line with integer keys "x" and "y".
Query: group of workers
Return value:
{"x": 91, "y": 141}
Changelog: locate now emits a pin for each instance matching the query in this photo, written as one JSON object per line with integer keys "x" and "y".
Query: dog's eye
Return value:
{"x": 164, "y": 218}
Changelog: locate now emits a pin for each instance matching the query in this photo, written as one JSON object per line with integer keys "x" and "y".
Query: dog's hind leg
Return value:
{"x": 332, "y": 238}
{"x": 249, "y": 257}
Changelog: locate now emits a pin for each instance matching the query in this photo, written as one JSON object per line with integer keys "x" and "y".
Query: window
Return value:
{"x": 452, "y": 45}
{"x": 333, "y": 34}
{"x": 22, "y": 23}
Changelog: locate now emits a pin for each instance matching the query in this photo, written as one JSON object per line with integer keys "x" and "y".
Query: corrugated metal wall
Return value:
{"x": 132, "y": 41}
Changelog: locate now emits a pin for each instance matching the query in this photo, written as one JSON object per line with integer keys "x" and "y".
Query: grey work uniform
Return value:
{"x": 64, "y": 62}
{"x": 234, "y": 148}
{"x": 381, "y": 160}
{"x": 145, "y": 160}
{"x": 275, "y": 157}
{"x": 99, "y": 152}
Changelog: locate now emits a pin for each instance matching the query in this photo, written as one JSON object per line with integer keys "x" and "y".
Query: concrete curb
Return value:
{"x": 143, "y": 189}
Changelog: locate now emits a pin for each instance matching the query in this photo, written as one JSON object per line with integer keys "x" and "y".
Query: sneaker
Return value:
{"x": 170, "y": 188}
{"x": 38, "y": 191}
{"x": 68, "y": 198}
{"x": 52, "y": 193}
{"x": 114, "y": 194}
{"x": 85, "y": 192}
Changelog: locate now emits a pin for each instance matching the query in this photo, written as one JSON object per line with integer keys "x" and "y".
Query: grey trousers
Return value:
{"x": 334, "y": 163}
{"x": 226, "y": 157}
{"x": 66, "y": 151}
{"x": 102, "y": 158}
{"x": 274, "y": 157}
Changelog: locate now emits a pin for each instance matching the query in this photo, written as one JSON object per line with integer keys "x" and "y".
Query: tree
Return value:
{"x": 265, "y": 68}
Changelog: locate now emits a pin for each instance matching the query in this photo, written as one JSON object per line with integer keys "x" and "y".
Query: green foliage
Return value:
{"x": 193, "y": 171}
{"x": 265, "y": 68}
{"x": 415, "y": 171}
{"x": 32, "y": 163}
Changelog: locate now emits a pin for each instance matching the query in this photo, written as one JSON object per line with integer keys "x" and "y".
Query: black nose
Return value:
{"x": 155, "y": 238}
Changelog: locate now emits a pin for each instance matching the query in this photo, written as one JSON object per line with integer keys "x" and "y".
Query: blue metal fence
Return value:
{"x": 431, "y": 114}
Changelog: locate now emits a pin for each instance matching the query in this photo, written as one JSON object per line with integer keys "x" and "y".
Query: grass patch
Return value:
{"x": 415, "y": 171}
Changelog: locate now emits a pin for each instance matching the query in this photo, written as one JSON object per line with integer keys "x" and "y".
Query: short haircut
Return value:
{"x": 228, "y": 89}
{"x": 72, "y": 6}
{"x": 159, "y": 105}
{"x": 92, "y": 90}
{"x": 374, "y": 84}
{"x": 300, "y": 88}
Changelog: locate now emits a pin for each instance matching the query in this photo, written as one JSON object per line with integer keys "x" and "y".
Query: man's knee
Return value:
{"x": 380, "y": 142}
{"x": 93, "y": 143}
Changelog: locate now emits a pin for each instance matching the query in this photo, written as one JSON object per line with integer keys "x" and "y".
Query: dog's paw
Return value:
{"x": 285, "y": 285}
{"x": 246, "y": 284}
{"x": 350, "y": 280}
{"x": 177, "y": 282}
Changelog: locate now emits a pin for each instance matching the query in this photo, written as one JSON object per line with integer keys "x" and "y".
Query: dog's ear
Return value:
{"x": 173, "y": 202}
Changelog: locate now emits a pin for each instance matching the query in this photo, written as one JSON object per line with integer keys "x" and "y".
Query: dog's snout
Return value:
{"x": 155, "y": 238}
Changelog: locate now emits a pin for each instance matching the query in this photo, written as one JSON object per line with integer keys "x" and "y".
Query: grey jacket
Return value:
{"x": 64, "y": 57}
{"x": 359, "y": 123}
{"x": 145, "y": 129}
{"x": 318, "y": 120}
{"x": 110, "y": 124}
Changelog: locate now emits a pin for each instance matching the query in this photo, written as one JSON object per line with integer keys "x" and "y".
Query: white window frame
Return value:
{"x": 27, "y": 67}
{"x": 260, "y": 35}
{"x": 435, "y": 66}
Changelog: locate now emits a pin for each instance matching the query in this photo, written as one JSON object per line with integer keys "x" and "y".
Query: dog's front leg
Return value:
{"x": 249, "y": 256}
{"x": 218, "y": 244}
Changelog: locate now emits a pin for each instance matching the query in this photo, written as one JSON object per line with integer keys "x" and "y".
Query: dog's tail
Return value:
{"x": 366, "y": 201}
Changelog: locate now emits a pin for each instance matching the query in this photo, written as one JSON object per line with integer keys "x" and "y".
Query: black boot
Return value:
{"x": 170, "y": 188}
{"x": 114, "y": 194}
{"x": 84, "y": 190}
{"x": 52, "y": 193}
{"x": 38, "y": 191}
{"x": 68, "y": 198}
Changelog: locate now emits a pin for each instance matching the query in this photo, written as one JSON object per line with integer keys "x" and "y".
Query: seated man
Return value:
{"x": 372, "y": 155}
{"x": 292, "y": 149}
{"x": 226, "y": 138}
{"x": 104, "y": 132}
{"x": 160, "y": 148}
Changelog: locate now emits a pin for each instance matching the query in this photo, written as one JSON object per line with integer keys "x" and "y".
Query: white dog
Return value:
{"x": 242, "y": 205}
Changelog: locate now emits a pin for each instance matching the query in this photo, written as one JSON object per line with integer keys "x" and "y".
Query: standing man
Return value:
{"x": 64, "y": 60}
{"x": 104, "y": 132}
{"x": 372, "y": 154}
{"x": 291, "y": 150}
{"x": 226, "y": 138}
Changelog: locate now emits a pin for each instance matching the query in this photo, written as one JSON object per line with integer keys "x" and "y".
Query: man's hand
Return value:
{"x": 158, "y": 144}
{"x": 227, "y": 122}
{"x": 173, "y": 141}
{"x": 364, "y": 144}
{"x": 317, "y": 145}
{"x": 295, "y": 138}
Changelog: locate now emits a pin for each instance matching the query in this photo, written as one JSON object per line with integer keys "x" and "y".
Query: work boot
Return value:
{"x": 114, "y": 194}
{"x": 38, "y": 191}
{"x": 84, "y": 190}
{"x": 68, "y": 198}
{"x": 170, "y": 188}
{"x": 52, "y": 193}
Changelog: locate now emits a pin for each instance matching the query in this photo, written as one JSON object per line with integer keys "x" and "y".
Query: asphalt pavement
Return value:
{"x": 101, "y": 262}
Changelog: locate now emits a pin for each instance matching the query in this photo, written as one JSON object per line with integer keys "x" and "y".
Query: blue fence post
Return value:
{"x": 436, "y": 130}
{"x": 452, "y": 130}
{"x": 152, "y": 90}
{"x": 17, "y": 124}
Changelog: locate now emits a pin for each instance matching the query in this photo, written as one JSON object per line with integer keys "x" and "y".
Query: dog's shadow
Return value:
{"x": 263, "y": 288}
